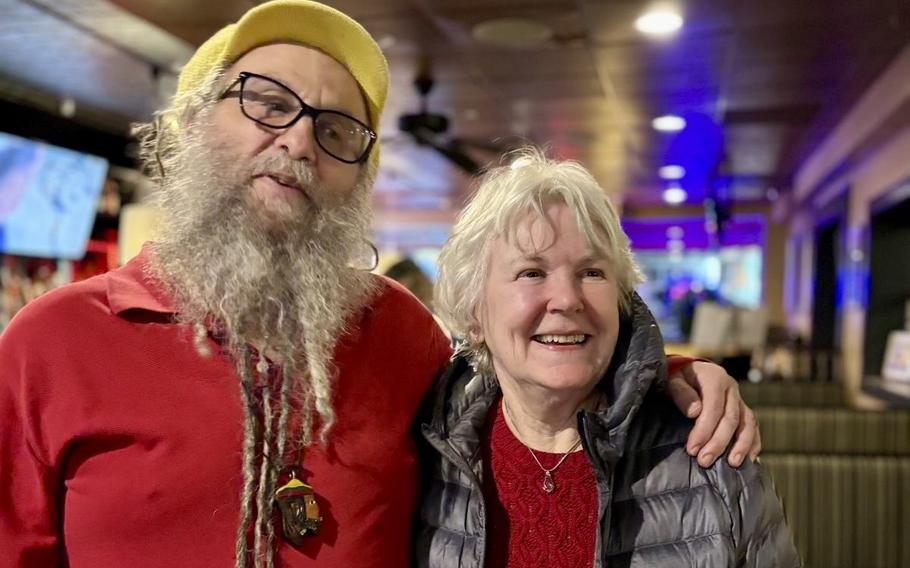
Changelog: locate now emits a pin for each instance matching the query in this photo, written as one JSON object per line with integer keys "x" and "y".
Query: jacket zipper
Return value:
{"x": 601, "y": 542}
{"x": 448, "y": 450}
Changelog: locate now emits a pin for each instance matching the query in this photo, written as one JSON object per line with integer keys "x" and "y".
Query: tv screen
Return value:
{"x": 48, "y": 198}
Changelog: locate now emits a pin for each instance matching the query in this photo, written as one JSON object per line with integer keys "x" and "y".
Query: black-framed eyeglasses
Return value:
{"x": 269, "y": 103}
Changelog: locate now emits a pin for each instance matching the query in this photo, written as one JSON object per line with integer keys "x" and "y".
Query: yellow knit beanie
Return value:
{"x": 307, "y": 23}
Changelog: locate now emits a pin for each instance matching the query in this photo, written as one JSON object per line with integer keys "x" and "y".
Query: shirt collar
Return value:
{"x": 132, "y": 287}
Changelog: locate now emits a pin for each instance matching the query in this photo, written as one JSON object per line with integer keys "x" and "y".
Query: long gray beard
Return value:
{"x": 280, "y": 287}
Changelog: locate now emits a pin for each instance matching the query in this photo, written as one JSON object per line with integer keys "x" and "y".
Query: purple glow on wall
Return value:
{"x": 651, "y": 234}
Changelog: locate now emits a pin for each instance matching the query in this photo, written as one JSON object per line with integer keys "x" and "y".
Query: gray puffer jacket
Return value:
{"x": 657, "y": 507}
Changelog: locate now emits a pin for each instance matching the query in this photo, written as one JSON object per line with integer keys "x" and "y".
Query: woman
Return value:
{"x": 549, "y": 443}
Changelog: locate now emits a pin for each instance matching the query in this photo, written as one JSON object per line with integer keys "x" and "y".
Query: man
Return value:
{"x": 238, "y": 394}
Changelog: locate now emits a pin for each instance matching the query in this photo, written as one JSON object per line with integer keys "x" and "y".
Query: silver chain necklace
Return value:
{"x": 548, "y": 485}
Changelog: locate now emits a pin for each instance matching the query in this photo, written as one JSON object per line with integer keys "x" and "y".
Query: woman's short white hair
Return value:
{"x": 504, "y": 197}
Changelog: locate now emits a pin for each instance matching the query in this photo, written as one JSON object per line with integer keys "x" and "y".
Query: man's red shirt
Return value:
{"x": 121, "y": 446}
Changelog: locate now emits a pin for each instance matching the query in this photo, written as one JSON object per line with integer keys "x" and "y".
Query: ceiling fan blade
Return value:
{"x": 491, "y": 146}
{"x": 450, "y": 149}
{"x": 460, "y": 159}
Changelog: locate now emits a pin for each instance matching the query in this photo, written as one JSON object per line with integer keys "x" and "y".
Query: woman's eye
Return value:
{"x": 530, "y": 273}
{"x": 594, "y": 273}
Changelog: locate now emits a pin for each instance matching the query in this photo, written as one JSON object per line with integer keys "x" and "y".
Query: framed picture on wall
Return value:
{"x": 896, "y": 366}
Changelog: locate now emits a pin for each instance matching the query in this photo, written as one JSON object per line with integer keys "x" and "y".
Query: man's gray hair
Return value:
{"x": 159, "y": 140}
{"x": 503, "y": 198}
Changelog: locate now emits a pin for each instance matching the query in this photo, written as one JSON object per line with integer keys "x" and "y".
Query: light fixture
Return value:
{"x": 387, "y": 41}
{"x": 67, "y": 107}
{"x": 674, "y": 195}
{"x": 659, "y": 22}
{"x": 675, "y": 232}
{"x": 512, "y": 32}
{"x": 669, "y": 123}
{"x": 672, "y": 172}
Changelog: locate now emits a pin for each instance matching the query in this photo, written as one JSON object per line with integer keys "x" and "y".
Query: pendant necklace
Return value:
{"x": 296, "y": 500}
{"x": 549, "y": 484}
{"x": 299, "y": 510}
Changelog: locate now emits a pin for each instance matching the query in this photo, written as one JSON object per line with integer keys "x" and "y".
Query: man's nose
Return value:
{"x": 299, "y": 140}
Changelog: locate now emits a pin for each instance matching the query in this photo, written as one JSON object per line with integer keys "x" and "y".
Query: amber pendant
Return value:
{"x": 299, "y": 511}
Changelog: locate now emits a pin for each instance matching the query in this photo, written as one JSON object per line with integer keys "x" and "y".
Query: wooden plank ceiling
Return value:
{"x": 760, "y": 80}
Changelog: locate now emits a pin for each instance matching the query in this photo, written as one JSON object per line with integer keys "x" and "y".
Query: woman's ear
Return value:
{"x": 475, "y": 333}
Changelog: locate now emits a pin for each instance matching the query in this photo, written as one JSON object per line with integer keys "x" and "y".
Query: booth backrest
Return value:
{"x": 800, "y": 394}
{"x": 840, "y": 431}
{"x": 846, "y": 511}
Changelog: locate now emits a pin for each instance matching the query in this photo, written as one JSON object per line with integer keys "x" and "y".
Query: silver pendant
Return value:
{"x": 548, "y": 484}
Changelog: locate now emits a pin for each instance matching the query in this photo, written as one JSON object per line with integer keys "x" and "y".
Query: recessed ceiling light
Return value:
{"x": 669, "y": 123}
{"x": 676, "y": 245}
{"x": 674, "y": 195}
{"x": 675, "y": 232}
{"x": 387, "y": 41}
{"x": 672, "y": 172}
{"x": 512, "y": 32}
{"x": 659, "y": 22}
{"x": 67, "y": 107}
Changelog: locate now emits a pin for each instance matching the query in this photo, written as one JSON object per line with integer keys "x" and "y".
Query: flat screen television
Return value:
{"x": 48, "y": 198}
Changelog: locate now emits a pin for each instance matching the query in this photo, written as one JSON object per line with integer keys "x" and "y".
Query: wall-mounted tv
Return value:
{"x": 48, "y": 198}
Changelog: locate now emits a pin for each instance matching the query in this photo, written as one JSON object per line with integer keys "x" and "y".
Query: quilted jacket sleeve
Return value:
{"x": 760, "y": 531}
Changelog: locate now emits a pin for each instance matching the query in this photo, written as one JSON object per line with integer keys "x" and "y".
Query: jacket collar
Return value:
{"x": 134, "y": 287}
{"x": 638, "y": 365}
{"x": 463, "y": 398}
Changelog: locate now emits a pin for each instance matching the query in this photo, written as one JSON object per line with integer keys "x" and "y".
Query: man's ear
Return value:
{"x": 192, "y": 108}
{"x": 186, "y": 117}
{"x": 188, "y": 114}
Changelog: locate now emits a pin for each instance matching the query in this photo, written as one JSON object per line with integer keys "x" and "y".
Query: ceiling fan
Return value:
{"x": 430, "y": 129}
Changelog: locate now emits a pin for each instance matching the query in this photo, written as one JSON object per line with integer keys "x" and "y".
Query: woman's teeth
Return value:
{"x": 560, "y": 339}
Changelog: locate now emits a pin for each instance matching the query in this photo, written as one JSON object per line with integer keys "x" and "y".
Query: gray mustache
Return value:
{"x": 300, "y": 174}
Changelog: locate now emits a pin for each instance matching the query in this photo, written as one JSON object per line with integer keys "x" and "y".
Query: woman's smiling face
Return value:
{"x": 550, "y": 311}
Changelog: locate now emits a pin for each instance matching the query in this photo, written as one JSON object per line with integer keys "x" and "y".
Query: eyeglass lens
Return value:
{"x": 272, "y": 104}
